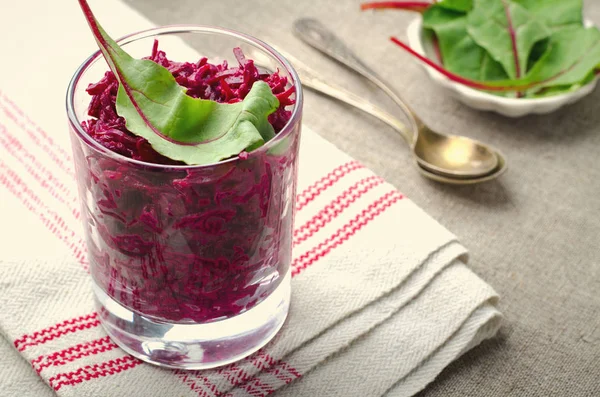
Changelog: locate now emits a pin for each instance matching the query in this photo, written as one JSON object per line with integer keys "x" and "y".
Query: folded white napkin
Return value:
{"x": 381, "y": 303}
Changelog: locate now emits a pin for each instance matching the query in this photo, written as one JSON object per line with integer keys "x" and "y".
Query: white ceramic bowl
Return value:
{"x": 511, "y": 107}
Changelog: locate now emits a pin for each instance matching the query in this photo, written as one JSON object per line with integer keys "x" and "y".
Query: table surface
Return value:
{"x": 534, "y": 234}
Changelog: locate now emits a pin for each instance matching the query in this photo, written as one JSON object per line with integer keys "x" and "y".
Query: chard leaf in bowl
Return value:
{"x": 513, "y": 56}
{"x": 545, "y": 100}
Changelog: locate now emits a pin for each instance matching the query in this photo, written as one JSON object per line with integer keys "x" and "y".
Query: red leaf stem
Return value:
{"x": 418, "y": 6}
{"x": 481, "y": 85}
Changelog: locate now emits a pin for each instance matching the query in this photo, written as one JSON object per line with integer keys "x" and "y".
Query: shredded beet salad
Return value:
{"x": 220, "y": 83}
{"x": 195, "y": 244}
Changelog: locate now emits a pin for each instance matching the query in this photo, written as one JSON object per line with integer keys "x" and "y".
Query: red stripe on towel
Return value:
{"x": 314, "y": 190}
{"x": 30, "y": 163}
{"x": 37, "y": 134}
{"x": 344, "y": 233}
{"x": 73, "y": 353}
{"x": 94, "y": 371}
{"x": 198, "y": 383}
{"x": 335, "y": 208}
{"x": 56, "y": 330}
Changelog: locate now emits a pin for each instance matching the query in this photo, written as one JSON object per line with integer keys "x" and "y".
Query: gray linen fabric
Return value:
{"x": 534, "y": 235}
{"x": 16, "y": 375}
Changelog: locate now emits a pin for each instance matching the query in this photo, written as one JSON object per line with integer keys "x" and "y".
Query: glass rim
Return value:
{"x": 287, "y": 129}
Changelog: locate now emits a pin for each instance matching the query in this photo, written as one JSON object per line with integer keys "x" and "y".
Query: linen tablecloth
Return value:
{"x": 541, "y": 251}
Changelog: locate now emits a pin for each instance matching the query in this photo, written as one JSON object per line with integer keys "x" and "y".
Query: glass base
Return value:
{"x": 194, "y": 346}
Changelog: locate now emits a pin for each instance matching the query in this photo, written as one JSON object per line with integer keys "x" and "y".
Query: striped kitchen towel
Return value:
{"x": 381, "y": 303}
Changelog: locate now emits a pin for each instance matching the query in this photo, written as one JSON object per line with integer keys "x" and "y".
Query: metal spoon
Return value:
{"x": 450, "y": 156}
{"x": 311, "y": 80}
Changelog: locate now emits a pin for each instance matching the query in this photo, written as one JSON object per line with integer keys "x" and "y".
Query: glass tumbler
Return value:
{"x": 190, "y": 264}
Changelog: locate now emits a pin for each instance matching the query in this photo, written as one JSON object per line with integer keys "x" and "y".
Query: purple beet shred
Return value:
{"x": 196, "y": 244}
{"x": 202, "y": 79}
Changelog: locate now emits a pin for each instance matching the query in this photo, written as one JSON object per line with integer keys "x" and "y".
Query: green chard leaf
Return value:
{"x": 180, "y": 127}
{"x": 560, "y": 89}
{"x": 508, "y": 31}
{"x": 556, "y": 14}
{"x": 527, "y": 48}
{"x": 460, "y": 53}
{"x": 537, "y": 52}
{"x": 456, "y": 5}
{"x": 564, "y": 63}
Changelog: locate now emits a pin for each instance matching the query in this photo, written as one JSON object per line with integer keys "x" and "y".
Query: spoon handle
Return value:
{"x": 310, "y": 79}
{"x": 318, "y": 36}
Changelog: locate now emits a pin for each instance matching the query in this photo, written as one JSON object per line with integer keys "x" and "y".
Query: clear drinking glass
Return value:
{"x": 190, "y": 264}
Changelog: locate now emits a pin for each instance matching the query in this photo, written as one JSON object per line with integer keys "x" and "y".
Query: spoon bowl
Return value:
{"x": 449, "y": 156}
{"x": 498, "y": 171}
{"x": 464, "y": 156}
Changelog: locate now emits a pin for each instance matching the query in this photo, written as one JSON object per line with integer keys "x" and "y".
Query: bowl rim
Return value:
{"x": 415, "y": 38}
